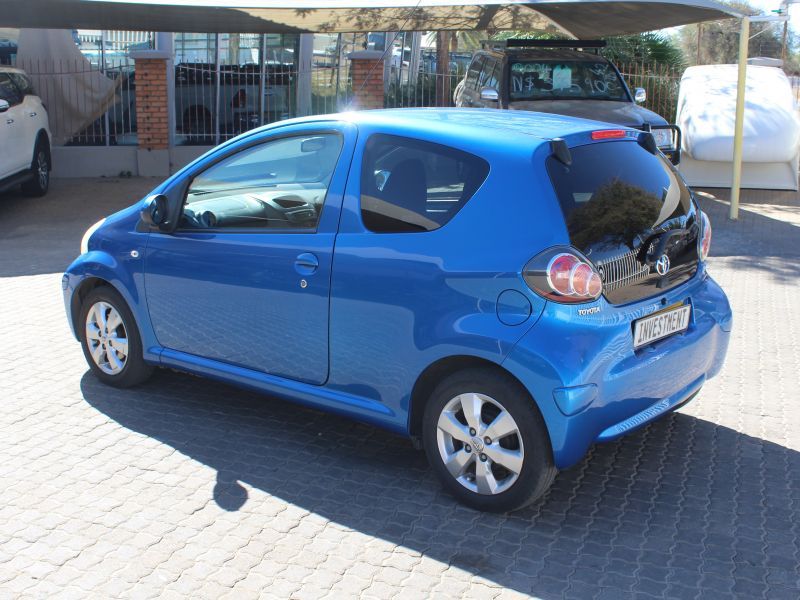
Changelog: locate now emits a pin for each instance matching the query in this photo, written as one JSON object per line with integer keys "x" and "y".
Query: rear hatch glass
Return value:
{"x": 624, "y": 208}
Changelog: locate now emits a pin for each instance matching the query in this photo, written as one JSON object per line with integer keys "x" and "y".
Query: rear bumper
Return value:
{"x": 591, "y": 385}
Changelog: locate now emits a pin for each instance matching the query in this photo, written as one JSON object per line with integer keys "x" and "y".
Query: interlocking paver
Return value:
{"x": 188, "y": 488}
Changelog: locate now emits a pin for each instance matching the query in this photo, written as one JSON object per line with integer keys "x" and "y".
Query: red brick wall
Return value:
{"x": 367, "y": 87}
{"x": 152, "y": 110}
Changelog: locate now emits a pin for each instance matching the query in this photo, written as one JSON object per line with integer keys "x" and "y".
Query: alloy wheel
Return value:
{"x": 480, "y": 444}
{"x": 42, "y": 170}
{"x": 106, "y": 338}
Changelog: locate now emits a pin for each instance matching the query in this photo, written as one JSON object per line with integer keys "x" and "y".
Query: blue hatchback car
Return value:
{"x": 506, "y": 288}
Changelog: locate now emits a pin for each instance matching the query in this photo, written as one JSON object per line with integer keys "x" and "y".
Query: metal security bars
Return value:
{"x": 87, "y": 105}
{"x": 226, "y": 84}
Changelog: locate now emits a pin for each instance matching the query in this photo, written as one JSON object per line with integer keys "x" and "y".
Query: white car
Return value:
{"x": 24, "y": 135}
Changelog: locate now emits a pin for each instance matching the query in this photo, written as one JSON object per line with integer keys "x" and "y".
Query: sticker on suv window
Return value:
{"x": 562, "y": 78}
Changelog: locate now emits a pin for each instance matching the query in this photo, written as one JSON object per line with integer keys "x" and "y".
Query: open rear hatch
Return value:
{"x": 629, "y": 212}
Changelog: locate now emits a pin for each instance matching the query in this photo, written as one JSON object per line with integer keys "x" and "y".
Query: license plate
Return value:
{"x": 660, "y": 325}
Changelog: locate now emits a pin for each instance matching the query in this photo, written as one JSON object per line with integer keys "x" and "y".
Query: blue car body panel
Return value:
{"x": 382, "y": 308}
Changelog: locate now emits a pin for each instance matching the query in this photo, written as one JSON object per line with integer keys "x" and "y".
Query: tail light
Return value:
{"x": 608, "y": 134}
{"x": 564, "y": 275}
{"x": 704, "y": 245}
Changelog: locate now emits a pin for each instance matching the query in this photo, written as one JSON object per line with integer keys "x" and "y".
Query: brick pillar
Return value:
{"x": 152, "y": 111}
{"x": 366, "y": 73}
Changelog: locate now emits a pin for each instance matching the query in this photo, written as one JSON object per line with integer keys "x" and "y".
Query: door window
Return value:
{"x": 276, "y": 186}
{"x": 474, "y": 72}
{"x": 409, "y": 185}
{"x": 9, "y": 91}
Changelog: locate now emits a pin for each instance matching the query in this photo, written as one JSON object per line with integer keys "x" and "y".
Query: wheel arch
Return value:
{"x": 79, "y": 295}
{"x": 42, "y": 136}
{"x": 434, "y": 373}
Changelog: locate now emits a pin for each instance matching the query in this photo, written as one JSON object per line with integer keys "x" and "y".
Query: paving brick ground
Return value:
{"x": 189, "y": 488}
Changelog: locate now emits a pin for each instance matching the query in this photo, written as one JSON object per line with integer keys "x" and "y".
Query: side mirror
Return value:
{"x": 154, "y": 213}
{"x": 4, "y": 106}
{"x": 640, "y": 95}
{"x": 490, "y": 94}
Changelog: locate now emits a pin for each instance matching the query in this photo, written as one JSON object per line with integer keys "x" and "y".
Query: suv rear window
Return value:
{"x": 565, "y": 79}
{"x": 613, "y": 192}
{"x": 410, "y": 185}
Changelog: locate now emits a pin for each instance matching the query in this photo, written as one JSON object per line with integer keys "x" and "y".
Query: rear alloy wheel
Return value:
{"x": 487, "y": 441}
{"x": 40, "y": 173}
{"x": 480, "y": 444}
{"x": 110, "y": 339}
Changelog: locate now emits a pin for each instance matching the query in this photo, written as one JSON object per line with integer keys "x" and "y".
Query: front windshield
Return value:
{"x": 565, "y": 80}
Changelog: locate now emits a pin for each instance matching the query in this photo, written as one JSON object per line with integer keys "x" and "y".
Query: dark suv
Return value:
{"x": 560, "y": 76}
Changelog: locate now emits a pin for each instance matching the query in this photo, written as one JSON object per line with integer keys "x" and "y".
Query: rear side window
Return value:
{"x": 408, "y": 185}
{"x": 9, "y": 91}
{"x": 474, "y": 72}
{"x": 23, "y": 83}
{"x": 490, "y": 74}
{"x": 614, "y": 192}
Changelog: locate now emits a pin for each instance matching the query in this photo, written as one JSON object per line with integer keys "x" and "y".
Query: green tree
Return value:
{"x": 650, "y": 48}
{"x": 719, "y": 40}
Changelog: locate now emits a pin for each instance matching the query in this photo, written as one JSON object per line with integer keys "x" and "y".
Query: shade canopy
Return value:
{"x": 577, "y": 18}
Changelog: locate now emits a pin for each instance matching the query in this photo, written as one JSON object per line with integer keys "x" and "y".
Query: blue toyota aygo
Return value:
{"x": 506, "y": 288}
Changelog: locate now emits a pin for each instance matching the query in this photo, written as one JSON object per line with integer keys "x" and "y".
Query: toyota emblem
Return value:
{"x": 662, "y": 265}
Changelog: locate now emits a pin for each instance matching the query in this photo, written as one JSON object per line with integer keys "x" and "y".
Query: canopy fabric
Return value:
{"x": 578, "y": 18}
{"x": 75, "y": 93}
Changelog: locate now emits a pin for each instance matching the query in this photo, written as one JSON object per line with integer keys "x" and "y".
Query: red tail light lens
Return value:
{"x": 559, "y": 271}
{"x": 705, "y": 236}
{"x": 563, "y": 275}
{"x": 608, "y": 134}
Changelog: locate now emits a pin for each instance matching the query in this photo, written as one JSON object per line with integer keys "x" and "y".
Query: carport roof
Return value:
{"x": 578, "y": 18}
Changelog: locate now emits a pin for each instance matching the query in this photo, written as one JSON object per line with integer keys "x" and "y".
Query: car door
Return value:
{"x": 31, "y": 111}
{"x": 15, "y": 155}
{"x": 245, "y": 278}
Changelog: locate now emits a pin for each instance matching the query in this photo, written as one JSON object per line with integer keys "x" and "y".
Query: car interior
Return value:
{"x": 281, "y": 184}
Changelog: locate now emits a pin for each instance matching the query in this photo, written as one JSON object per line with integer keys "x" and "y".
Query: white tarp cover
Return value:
{"x": 75, "y": 93}
{"x": 707, "y": 111}
{"x": 579, "y": 18}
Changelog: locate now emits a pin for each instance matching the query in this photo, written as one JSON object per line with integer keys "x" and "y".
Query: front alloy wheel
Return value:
{"x": 110, "y": 339}
{"x": 106, "y": 338}
{"x": 486, "y": 440}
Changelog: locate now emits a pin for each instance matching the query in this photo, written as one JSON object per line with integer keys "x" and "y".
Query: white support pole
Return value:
{"x": 738, "y": 132}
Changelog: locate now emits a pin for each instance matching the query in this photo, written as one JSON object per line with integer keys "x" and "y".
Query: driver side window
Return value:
{"x": 278, "y": 185}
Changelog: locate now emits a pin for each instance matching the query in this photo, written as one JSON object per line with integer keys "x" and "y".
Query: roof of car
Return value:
{"x": 547, "y": 54}
{"x": 476, "y": 123}
{"x": 8, "y": 69}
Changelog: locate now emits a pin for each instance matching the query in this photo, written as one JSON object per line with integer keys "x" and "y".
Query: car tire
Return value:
{"x": 104, "y": 321}
{"x": 496, "y": 475}
{"x": 39, "y": 182}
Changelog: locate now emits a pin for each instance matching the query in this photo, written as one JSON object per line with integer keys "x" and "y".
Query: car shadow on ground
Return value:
{"x": 680, "y": 508}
